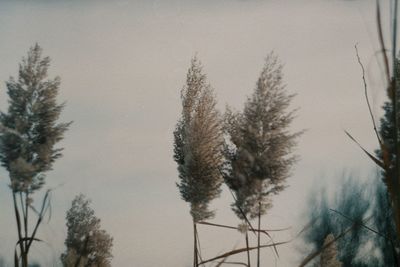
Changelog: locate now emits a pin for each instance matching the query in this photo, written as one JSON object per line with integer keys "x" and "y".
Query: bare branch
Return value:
{"x": 366, "y": 96}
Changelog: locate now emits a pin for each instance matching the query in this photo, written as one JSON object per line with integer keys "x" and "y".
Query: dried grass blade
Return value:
{"x": 241, "y": 250}
{"x": 374, "y": 159}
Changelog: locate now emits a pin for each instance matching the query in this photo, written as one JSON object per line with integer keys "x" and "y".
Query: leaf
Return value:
{"x": 237, "y": 251}
{"x": 29, "y": 239}
{"x": 374, "y": 159}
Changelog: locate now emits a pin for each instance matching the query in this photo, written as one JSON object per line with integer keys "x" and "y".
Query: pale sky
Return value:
{"x": 122, "y": 65}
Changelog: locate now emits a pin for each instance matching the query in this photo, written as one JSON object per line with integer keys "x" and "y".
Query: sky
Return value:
{"x": 122, "y": 65}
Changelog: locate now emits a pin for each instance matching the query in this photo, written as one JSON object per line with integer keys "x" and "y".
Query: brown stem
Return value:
{"x": 395, "y": 120}
{"x": 24, "y": 207}
{"x": 24, "y": 258}
{"x": 21, "y": 202}
{"x": 382, "y": 42}
{"x": 198, "y": 245}
{"x": 20, "y": 239}
{"x": 394, "y": 37}
{"x": 258, "y": 234}
{"x": 195, "y": 259}
{"x": 247, "y": 247}
{"x": 237, "y": 228}
{"x": 78, "y": 261}
{"x": 41, "y": 214}
{"x": 241, "y": 250}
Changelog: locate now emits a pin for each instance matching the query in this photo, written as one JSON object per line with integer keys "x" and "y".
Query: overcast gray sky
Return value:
{"x": 122, "y": 65}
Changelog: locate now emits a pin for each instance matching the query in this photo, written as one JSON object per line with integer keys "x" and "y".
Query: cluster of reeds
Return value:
{"x": 387, "y": 158}
{"x": 251, "y": 151}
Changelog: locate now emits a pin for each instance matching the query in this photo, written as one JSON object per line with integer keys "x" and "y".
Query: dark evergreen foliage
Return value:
{"x": 362, "y": 204}
{"x": 387, "y": 243}
{"x": 384, "y": 217}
